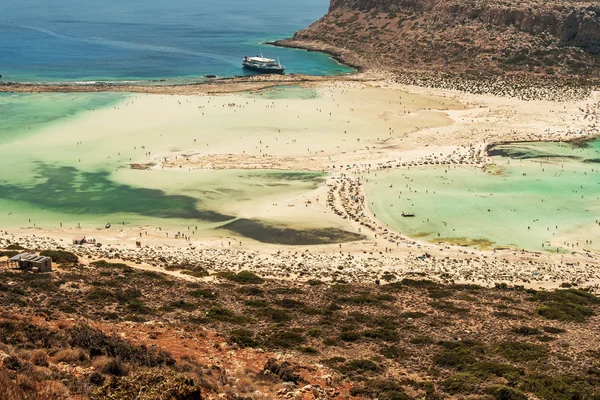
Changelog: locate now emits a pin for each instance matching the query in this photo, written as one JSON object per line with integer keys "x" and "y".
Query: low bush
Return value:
{"x": 108, "y": 265}
{"x": 458, "y": 357}
{"x": 522, "y": 351}
{"x": 61, "y": 256}
{"x": 286, "y": 339}
{"x": 251, "y": 291}
{"x": 393, "y": 352}
{"x": 566, "y": 305}
{"x": 553, "y": 330}
{"x": 289, "y": 303}
{"x": 202, "y": 273}
{"x": 115, "y": 368}
{"x": 284, "y": 371}
{"x": 350, "y": 336}
{"x": 387, "y": 335}
{"x": 274, "y": 314}
{"x": 242, "y": 277}
{"x": 449, "y": 307}
{"x": 486, "y": 369}
{"x": 243, "y": 338}
{"x": 70, "y": 356}
{"x": 222, "y": 314}
{"x": 461, "y": 382}
{"x": 422, "y": 340}
{"x": 501, "y": 392}
{"x": 381, "y": 389}
{"x": 361, "y": 365}
{"x": 561, "y": 387}
{"x": 526, "y": 331}
{"x": 97, "y": 343}
{"x": 150, "y": 385}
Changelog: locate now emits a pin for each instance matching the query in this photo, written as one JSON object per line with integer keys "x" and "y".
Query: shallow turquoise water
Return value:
{"x": 23, "y": 114}
{"x": 115, "y": 40}
{"x": 536, "y": 196}
{"x": 62, "y": 184}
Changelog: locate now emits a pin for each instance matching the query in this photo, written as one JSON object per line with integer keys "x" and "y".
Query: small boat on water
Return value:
{"x": 408, "y": 214}
{"x": 107, "y": 226}
{"x": 264, "y": 65}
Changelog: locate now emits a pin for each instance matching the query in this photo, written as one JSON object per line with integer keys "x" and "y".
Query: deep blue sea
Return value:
{"x": 91, "y": 40}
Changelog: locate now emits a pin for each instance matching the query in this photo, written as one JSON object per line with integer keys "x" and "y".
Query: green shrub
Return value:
{"x": 526, "y": 331}
{"x": 350, "y": 336}
{"x": 97, "y": 343}
{"x": 522, "y": 351}
{"x": 437, "y": 293}
{"x": 289, "y": 303}
{"x": 459, "y": 357}
{"x": 422, "y": 340}
{"x": 381, "y": 389}
{"x": 274, "y": 314}
{"x": 361, "y": 365}
{"x": 115, "y": 368}
{"x": 553, "y": 330}
{"x": 419, "y": 283}
{"x": 242, "y": 277}
{"x": 388, "y": 335}
{"x": 501, "y": 392}
{"x": 108, "y": 265}
{"x": 61, "y": 256}
{"x": 157, "y": 276}
{"x": 286, "y": 290}
{"x": 284, "y": 371}
{"x": 308, "y": 350}
{"x": 449, "y": 307}
{"x": 286, "y": 339}
{"x": 256, "y": 303}
{"x": 560, "y": 387}
{"x": 566, "y": 305}
{"x": 222, "y": 314}
{"x": 565, "y": 312}
{"x": 393, "y": 352}
{"x": 195, "y": 273}
{"x": 243, "y": 338}
{"x": 360, "y": 299}
{"x": 162, "y": 384}
{"x": 183, "y": 305}
{"x": 485, "y": 369}
{"x": 139, "y": 307}
{"x": 251, "y": 291}
{"x": 461, "y": 382}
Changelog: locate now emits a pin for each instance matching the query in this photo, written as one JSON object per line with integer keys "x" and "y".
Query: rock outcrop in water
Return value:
{"x": 476, "y": 37}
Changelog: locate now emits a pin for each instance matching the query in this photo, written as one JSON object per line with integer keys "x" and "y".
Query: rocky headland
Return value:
{"x": 534, "y": 40}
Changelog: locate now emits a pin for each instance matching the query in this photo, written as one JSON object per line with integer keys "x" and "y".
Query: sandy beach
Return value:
{"x": 340, "y": 127}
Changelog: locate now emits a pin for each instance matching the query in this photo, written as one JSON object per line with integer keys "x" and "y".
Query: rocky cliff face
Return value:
{"x": 536, "y": 37}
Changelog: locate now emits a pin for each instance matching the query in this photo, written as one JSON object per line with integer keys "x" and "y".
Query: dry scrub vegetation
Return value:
{"x": 108, "y": 330}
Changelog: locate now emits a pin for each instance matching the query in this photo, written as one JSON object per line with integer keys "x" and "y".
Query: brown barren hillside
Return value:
{"x": 464, "y": 37}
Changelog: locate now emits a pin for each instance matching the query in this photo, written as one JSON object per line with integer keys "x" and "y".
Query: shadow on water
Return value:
{"x": 66, "y": 189}
{"x": 268, "y": 233}
{"x": 524, "y": 154}
{"x": 314, "y": 177}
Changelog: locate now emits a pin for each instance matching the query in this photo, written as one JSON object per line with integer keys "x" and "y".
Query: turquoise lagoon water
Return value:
{"x": 538, "y": 196}
{"x": 23, "y": 114}
{"x": 49, "y": 187}
{"x": 85, "y": 40}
